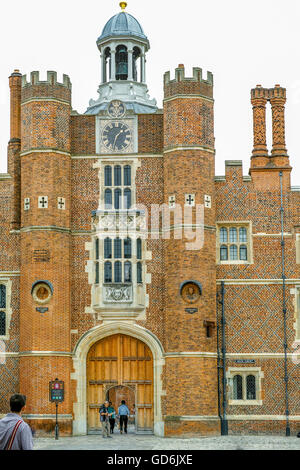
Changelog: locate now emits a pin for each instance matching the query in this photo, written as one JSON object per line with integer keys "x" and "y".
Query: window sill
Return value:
{"x": 234, "y": 262}
{"x": 245, "y": 402}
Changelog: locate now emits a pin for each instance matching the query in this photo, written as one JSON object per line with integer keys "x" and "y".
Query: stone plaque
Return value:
{"x": 42, "y": 309}
{"x": 41, "y": 256}
{"x": 191, "y": 310}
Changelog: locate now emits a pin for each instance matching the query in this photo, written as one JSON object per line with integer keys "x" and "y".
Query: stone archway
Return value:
{"x": 120, "y": 360}
{"x": 80, "y": 370}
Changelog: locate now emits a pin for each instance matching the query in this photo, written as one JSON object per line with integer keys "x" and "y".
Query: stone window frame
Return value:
{"x": 122, "y": 187}
{"x": 8, "y": 311}
{"x": 296, "y": 292}
{"x": 249, "y": 244}
{"x": 100, "y": 261}
{"x": 244, "y": 372}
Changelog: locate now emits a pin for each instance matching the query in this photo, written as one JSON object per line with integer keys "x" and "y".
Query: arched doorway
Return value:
{"x": 120, "y": 361}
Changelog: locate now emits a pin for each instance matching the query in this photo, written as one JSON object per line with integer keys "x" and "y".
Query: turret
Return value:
{"x": 190, "y": 253}
{"x": 45, "y": 243}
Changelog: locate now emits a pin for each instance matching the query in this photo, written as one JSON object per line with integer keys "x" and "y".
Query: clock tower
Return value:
{"x": 123, "y": 93}
{"x": 123, "y": 46}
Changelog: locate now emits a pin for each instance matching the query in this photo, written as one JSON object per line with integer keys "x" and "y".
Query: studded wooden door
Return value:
{"x": 120, "y": 360}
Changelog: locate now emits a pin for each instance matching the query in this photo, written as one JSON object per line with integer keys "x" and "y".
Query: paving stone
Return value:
{"x": 140, "y": 442}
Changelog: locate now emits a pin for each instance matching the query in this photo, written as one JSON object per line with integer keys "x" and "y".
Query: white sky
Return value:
{"x": 243, "y": 42}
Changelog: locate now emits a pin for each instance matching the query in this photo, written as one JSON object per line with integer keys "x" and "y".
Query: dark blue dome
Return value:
{"x": 122, "y": 24}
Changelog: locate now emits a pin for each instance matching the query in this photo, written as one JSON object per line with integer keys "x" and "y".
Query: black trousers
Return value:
{"x": 112, "y": 424}
{"x": 123, "y": 422}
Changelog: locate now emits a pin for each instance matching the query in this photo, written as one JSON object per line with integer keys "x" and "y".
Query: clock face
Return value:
{"x": 116, "y": 136}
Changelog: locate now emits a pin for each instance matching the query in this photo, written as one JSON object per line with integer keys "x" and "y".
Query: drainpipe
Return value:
{"x": 218, "y": 358}
{"x": 285, "y": 345}
{"x": 224, "y": 423}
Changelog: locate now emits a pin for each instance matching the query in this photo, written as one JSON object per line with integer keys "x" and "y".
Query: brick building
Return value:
{"x": 129, "y": 270}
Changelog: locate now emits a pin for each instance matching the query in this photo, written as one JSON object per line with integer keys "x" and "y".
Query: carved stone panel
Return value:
{"x": 117, "y": 293}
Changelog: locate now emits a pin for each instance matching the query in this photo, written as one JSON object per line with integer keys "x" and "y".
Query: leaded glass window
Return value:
{"x": 97, "y": 248}
{"x": 224, "y": 253}
{"x": 118, "y": 271}
{"x": 243, "y": 253}
{"x": 108, "y": 199}
{"x": 108, "y": 176}
{"x": 245, "y": 386}
{"x": 127, "y": 248}
{"x": 233, "y": 234}
{"x": 117, "y": 176}
{"x": 127, "y": 272}
{"x": 107, "y": 272}
{"x": 139, "y": 270}
{"x": 127, "y": 175}
{"x": 237, "y": 387}
{"x": 127, "y": 198}
{"x": 223, "y": 235}
{"x": 117, "y": 248}
{"x": 118, "y": 198}
{"x": 233, "y": 243}
{"x": 233, "y": 252}
{"x": 107, "y": 248}
{"x": 251, "y": 387}
{"x": 243, "y": 235}
{"x": 2, "y": 296}
{"x": 139, "y": 248}
{"x": 2, "y": 324}
{"x": 97, "y": 277}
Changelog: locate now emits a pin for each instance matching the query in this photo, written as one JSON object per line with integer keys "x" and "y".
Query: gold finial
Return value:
{"x": 123, "y": 5}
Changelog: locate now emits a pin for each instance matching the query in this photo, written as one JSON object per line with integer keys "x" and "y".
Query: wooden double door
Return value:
{"x": 121, "y": 366}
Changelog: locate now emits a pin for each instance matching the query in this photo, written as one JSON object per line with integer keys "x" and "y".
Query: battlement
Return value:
{"x": 180, "y": 76}
{"x": 51, "y": 80}
{"x": 49, "y": 88}
{"x": 182, "y": 85}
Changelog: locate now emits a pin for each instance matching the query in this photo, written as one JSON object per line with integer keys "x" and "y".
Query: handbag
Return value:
{"x": 13, "y": 435}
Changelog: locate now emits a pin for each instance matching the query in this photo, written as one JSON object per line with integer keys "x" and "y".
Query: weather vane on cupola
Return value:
{"x": 123, "y": 5}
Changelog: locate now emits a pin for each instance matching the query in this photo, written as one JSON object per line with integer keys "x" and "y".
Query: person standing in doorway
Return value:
{"x": 104, "y": 419}
{"x": 112, "y": 418}
{"x": 123, "y": 412}
{"x": 15, "y": 434}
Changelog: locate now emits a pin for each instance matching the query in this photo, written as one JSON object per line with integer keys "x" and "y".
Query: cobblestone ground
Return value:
{"x": 140, "y": 442}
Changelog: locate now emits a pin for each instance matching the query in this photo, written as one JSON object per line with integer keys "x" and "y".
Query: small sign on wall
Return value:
{"x": 172, "y": 202}
{"x": 207, "y": 201}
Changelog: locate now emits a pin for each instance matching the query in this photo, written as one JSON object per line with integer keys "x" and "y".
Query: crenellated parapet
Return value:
{"x": 195, "y": 85}
{"x": 50, "y": 88}
{"x": 46, "y": 108}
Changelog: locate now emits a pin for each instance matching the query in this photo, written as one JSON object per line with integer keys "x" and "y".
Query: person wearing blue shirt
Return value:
{"x": 123, "y": 412}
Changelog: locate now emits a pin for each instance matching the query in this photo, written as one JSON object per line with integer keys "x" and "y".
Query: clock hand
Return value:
{"x": 114, "y": 146}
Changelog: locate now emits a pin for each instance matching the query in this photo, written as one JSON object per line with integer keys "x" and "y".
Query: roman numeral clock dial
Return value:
{"x": 116, "y": 136}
